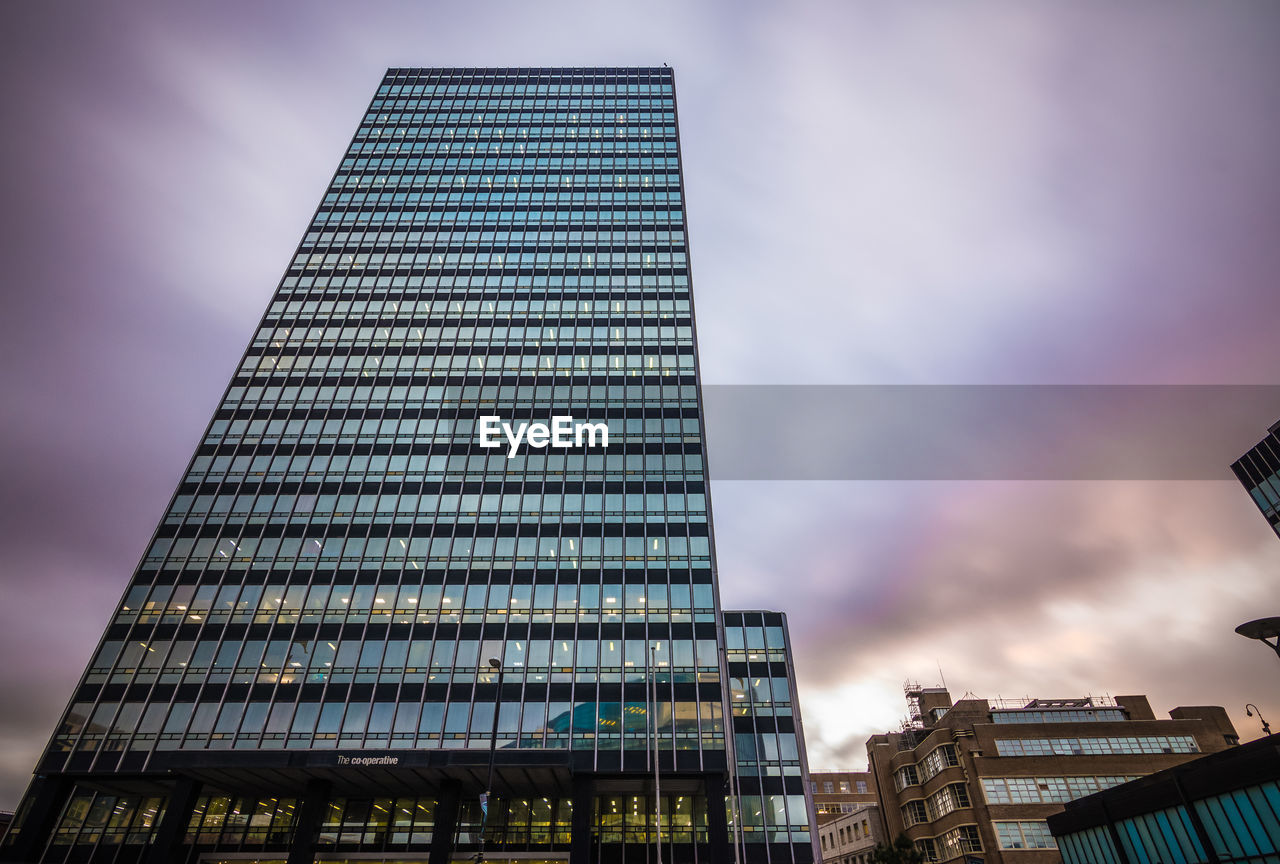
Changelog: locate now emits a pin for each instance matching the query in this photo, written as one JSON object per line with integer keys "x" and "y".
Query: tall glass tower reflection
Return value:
{"x": 300, "y": 668}
{"x": 1259, "y": 472}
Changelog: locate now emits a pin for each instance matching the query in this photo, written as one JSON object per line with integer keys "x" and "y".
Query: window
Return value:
{"x": 1079, "y": 715}
{"x": 952, "y": 844}
{"x": 914, "y": 812}
{"x": 1096, "y": 746}
{"x": 1046, "y": 790}
{"x": 1024, "y": 835}
{"x": 946, "y": 799}
{"x": 960, "y": 840}
{"x": 939, "y": 759}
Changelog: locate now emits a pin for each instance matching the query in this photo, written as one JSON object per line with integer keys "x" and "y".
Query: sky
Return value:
{"x": 879, "y": 193}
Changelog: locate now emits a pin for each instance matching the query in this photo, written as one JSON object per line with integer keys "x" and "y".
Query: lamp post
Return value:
{"x": 1266, "y": 727}
{"x": 496, "y": 665}
{"x": 657, "y": 788}
{"x": 1262, "y": 629}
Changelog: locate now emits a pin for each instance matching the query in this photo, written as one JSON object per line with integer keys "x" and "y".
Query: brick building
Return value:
{"x": 978, "y": 778}
{"x": 840, "y": 792}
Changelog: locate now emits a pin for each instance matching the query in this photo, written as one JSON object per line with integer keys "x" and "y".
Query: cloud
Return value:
{"x": 1005, "y": 589}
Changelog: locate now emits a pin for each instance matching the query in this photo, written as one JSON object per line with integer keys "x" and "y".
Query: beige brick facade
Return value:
{"x": 840, "y": 792}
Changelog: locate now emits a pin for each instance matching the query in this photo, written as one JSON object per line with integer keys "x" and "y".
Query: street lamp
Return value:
{"x": 496, "y": 665}
{"x": 1266, "y": 727}
{"x": 1262, "y": 629}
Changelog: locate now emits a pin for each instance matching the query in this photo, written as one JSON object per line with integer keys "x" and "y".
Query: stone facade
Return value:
{"x": 849, "y": 837}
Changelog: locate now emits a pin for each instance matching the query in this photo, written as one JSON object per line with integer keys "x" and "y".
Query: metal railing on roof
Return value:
{"x": 1030, "y": 703}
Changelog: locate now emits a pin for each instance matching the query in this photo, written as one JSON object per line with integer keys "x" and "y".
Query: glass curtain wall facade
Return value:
{"x": 301, "y": 663}
{"x": 772, "y": 793}
{"x": 1259, "y": 472}
{"x": 1218, "y": 809}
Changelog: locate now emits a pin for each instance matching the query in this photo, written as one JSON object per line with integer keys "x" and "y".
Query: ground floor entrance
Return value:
{"x": 218, "y": 808}
{"x": 515, "y": 858}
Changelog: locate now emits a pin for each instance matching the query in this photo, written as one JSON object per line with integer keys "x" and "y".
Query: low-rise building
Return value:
{"x": 978, "y": 778}
{"x": 849, "y": 837}
{"x": 839, "y": 792}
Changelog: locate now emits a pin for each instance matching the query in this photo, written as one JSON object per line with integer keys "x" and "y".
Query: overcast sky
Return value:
{"x": 878, "y": 193}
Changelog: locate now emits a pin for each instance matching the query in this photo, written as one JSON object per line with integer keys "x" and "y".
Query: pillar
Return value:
{"x": 584, "y": 793}
{"x": 445, "y": 823}
{"x": 311, "y": 811}
{"x": 717, "y": 826}
{"x": 48, "y": 796}
{"x": 166, "y": 843}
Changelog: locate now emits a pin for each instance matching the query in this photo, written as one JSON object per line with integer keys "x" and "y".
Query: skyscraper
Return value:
{"x": 1259, "y": 472}
{"x": 378, "y": 563}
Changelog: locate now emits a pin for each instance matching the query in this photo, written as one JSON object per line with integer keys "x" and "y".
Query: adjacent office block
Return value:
{"x": 1259, "y": 472}
{"x": 774, "y": 809}
{"x": 1224, "y": 807}
{"x": 979, "y": 777}
{"x": 300, "y": 665}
